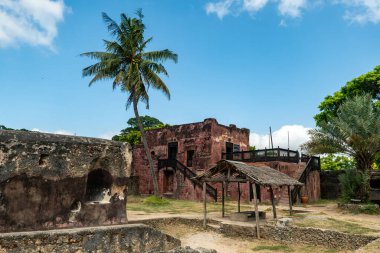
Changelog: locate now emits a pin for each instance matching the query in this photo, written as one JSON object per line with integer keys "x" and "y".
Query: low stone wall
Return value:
{"x": 121, "y": 238}
{"x": 355, "y": 208}
{"x": 313, "y": 236}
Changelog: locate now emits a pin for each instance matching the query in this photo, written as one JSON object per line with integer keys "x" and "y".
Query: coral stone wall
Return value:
{"x": 122, "y": 238}
{"x": 207, "y": 139}
{"x": 44, "y": 180}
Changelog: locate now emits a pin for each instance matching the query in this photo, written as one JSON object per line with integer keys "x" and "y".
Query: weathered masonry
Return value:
{"x": 55, "y": 181}
{"x": 181, "y": 152}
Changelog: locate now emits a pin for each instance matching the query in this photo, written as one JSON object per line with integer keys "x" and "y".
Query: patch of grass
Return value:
{"x": 333, "y": 224}
{"x": 175, "y": 206}
{"x": 281, "y": 248}
{"x": 369, "y": 209}
{"x": 156, "y": 201}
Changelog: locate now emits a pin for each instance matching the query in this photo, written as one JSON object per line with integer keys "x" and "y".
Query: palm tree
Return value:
{"x": 355, "y": 131}
{"x": 131, "y": 68}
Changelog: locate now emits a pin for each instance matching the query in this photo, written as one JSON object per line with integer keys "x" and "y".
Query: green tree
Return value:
{"x": 368, "y": 83}
{"x": 355, "y": 131}
{"x": 2, "y": 127}
{"x": 337, "y": 162}
{"x": 131, "y": 67}
{"x": 132, "y": 134}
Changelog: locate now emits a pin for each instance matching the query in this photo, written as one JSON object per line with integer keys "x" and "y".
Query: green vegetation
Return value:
{"x": 303, "y": 220}
{"x": 2, "y": 127}
{"x": 352, "y": 182}
{"x": 130, "y": 67}
{"x": 156, "y": 201}
{"x": 368, "y": 83}
{"x": 337, "y": 162}
{"x": 282, "y": 248}
{"x": 132, "y": 134}
{"x": 175, "y": 206}
{"x": 369, "y": 209}
{"x": 355, "y": 132}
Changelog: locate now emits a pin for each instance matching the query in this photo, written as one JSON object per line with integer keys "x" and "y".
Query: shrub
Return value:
{"x": 369, "y": 209}
{"x": 354, "y": 185}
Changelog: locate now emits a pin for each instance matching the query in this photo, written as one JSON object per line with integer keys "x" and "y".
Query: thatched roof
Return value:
{"x": 239, "y": 171}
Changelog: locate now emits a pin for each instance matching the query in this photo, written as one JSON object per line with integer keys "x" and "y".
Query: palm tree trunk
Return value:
{"x": 145, "y": 143}
{"x": 364, "y": 164}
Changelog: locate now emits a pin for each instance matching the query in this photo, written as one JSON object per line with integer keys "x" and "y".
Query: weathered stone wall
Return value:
{"x": 313, "y": 236}
{"x": 207, "y": 139}
{"x": 44, "y": 180}
{"x": 114, "y": 239}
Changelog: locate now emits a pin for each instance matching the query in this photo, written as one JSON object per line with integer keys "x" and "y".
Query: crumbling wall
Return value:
{"x": 44, "y": 180}
{"x": 207, "y": 139}
{"x": 122, "y": 238}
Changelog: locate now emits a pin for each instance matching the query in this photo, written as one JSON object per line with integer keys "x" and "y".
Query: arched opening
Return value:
{"x": 99, "y": 184}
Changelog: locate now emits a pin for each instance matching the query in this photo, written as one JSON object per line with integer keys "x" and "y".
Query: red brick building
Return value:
{"x": 182, "y": 151}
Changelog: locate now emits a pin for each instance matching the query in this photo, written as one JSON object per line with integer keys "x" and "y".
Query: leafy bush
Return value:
{"x": 354, "y": 185}
{"x": 369, "y": 209}
{"x": 156, "y": 201}
{"x": 337, "y": 162}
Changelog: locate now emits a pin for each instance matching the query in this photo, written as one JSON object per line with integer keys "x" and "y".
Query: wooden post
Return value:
{"x": 239, "y": 193}
{"x": 256, "y": 211}
{"x": 223, "y": 183}
{"x": 204, "y": 206}
{"x": 290, "y": 201}
{"x": 273, "y": 204}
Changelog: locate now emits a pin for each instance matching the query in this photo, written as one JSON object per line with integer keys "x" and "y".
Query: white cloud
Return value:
{"x": 298, "y": 135}
{"x": 356, "y": 11}
{"x": 63, "y": 132}
{"x": 32, "y": 22}
{"x": 362, "y": 11}
{"x": 221, "y": 8}
{"x": 108, "y": 135}
{"x": 254, "y": 5}
{"x": 291, "y": 8}
{"x": 224, "y": 7}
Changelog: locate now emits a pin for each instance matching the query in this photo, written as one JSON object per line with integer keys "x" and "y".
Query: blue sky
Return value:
{"x": 254, "y": 63}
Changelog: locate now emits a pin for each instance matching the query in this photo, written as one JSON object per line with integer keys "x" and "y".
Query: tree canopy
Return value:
{"x": 368, "y": 83}
{"x": 354, "y": 131}
{"x": 2, "y": 127}
{"x": 337, "y": 162}
{"x": 132, "y": 134}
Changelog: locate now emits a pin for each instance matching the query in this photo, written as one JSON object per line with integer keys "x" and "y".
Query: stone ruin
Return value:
{"x": 56, "y": 181}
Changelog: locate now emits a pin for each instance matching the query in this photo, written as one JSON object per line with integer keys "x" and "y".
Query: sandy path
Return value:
{"x": 210, "y": 240}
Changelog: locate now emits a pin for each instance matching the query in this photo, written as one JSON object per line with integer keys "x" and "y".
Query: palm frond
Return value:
{"x": 161, "y": 55}
{"x": 112, "y": 26}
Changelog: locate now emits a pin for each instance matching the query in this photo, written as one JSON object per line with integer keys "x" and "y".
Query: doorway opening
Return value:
{"x": 99, "y": 184}
{"x": 168, "y": 181}
{"x": 172, "y": 150}
{"x": 229, "y": 150}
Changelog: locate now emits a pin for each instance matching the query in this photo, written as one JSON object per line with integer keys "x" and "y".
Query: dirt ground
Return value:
{"x": 323, "y": 215}
{"x": 223, "y": 244}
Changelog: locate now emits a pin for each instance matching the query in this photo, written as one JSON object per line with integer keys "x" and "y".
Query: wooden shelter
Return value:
{"x": 226, "y": 171}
